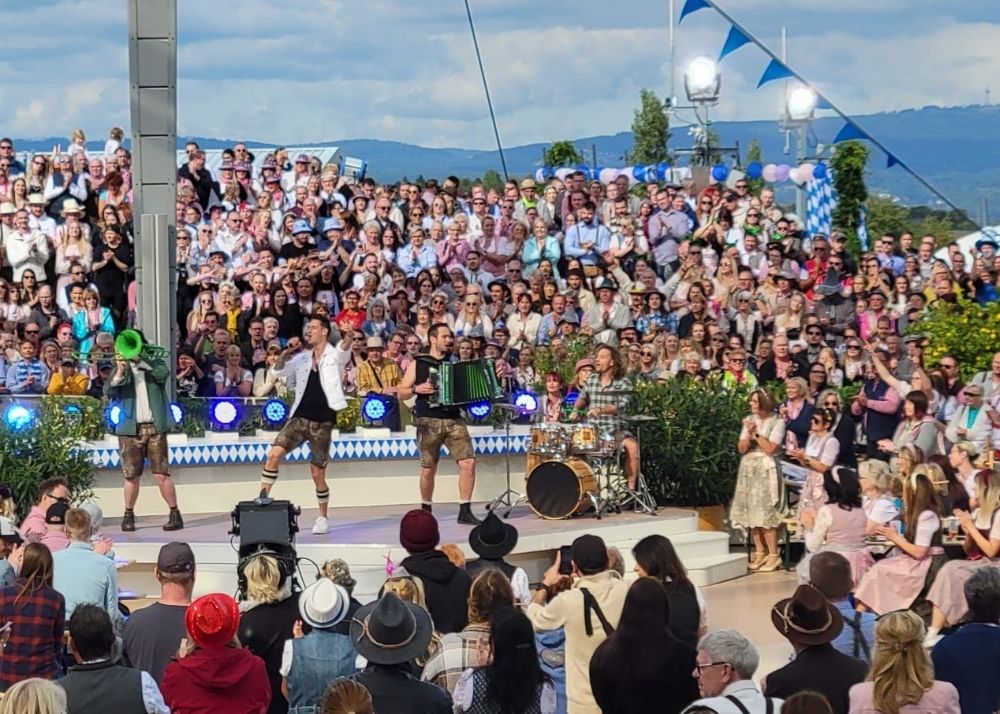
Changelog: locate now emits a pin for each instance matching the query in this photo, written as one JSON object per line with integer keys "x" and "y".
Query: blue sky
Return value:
{"x": 317, "y": 70}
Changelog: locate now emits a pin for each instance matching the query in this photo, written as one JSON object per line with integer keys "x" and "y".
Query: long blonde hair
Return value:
{"x": 989, "y": 497}
{"x": 34, "y": 696}
{"x": 901, "y": 670}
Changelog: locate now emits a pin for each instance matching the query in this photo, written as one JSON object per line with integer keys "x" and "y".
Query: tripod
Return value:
{"x": 641, "y": 497}
{"x": 509, "y": 498}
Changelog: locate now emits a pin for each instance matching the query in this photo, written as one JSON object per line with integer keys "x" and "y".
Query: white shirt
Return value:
{"x": 143, "y": 412}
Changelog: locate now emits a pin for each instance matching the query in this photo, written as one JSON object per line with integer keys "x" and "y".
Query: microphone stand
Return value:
{"x": 509, "y": 498}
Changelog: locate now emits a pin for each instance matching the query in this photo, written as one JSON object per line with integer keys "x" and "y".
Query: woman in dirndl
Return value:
{"x": 819, "y": 456}
{"x": 896, "y": 582}
{"x": 840, "y": 525}
{"x": 757, "y": 500}
{"x": 982, "y": 549}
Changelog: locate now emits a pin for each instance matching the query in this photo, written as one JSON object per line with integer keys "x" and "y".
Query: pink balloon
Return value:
{"x": 769, "y": 173}
{"x": 806, "y": 171}
{"x": 781, "y": 172}
{"x": 608, "y": 175}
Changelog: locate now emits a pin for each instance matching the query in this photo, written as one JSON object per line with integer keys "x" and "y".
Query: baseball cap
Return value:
{"x": 301, "y": 227}
{"x": 590, "y": 554}
{"x": 56, "y": 514}
{"x": 175, "y": 557}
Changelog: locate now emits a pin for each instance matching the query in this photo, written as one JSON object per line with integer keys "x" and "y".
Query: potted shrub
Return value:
{"x": 689, "y": 455}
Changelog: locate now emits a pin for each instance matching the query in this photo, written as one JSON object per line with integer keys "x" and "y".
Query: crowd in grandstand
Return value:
{"x": 897, "y": 499}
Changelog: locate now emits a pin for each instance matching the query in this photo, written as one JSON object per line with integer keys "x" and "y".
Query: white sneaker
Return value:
{"x": 321, "y": 526}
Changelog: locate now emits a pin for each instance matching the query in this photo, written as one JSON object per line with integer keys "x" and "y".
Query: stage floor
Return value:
{"x": 366, "y": 536}
{"x": 373, "y": 526}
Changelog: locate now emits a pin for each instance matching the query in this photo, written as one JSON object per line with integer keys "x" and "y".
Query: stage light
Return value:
{"x": 176, "y": 412}
{"x": 19, "y": 417}
{"x": 480, "y": 410}
{"x": 526, "y": 402}
{"x": 274, "y": 412}
{"x": 72, "y": 410}
{"x": 224, "y": 413}
{"x": 374, "y": 408}
{"x": 801, "y": 104}
{"x": 702, "y": 81}
{"x": 113, "y": 415}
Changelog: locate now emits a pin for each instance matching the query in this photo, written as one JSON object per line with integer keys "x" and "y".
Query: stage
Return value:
{"x": 373, "y": 480}
{"x": 366, "y": 536}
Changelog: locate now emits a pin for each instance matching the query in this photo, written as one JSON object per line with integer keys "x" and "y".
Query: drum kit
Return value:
{"x": 574, "y": 468}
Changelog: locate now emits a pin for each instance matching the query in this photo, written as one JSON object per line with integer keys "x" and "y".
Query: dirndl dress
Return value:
{"x": 759, "y": 495}
{"x": 948, "y": 590}
{"x": 895, "y": 582}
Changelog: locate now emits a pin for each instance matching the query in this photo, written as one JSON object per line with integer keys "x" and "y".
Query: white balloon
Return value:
{"x": 561, "y": 174}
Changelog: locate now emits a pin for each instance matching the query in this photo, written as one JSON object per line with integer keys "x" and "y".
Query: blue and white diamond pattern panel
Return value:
{"x": 254, "y": 451}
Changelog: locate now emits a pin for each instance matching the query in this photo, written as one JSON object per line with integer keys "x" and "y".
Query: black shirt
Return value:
{"x": 425, "y": 363}
{"x": 314, "y": 405}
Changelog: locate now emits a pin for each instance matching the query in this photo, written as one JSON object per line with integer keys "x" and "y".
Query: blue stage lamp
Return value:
{"x": 374, "y": 408}
{"x": 274, "y": 412}
{"x": 176, "y": 412}
{"x": 113, "y": 415}
{"x": 224, "y": 413}
{"x": 526, "y": 401}
{"x": 19, "y": 417}
{"x": 72, "y": 410}
{"x": 480, "y": 410}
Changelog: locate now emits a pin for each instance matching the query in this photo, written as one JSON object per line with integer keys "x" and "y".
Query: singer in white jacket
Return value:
{"x": 319, "y": 394}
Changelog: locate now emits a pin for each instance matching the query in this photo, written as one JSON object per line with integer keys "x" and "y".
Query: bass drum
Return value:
{"x": 559, "y": 489}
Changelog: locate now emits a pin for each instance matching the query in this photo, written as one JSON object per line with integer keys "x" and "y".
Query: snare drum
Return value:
{"x": 608, "y": 444}
{"x": 583, "y": 440}
{"x": 548, "y": 440}
{"x": 559, "y": 489}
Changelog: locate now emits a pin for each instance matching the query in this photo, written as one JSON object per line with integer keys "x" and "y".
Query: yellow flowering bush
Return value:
{"x": 965, "y": 329}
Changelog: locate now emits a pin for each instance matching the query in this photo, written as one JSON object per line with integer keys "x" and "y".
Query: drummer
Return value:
{"x": 604, "y": 396}
{"x": 550, "y": 411}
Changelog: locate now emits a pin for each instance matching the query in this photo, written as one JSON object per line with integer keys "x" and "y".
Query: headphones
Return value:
{"x": 284, "y": 560}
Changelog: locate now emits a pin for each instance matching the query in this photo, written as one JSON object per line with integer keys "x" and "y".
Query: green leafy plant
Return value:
{"x": 650, "y": 130}
{"x": 561, "y": 360}
{"x": 562, "y": 153}
{"x": 52, "y": 446}
{"x": 965, "y": 329}
{"x": 849, "y": 161}
{"x": 689, "y": 455}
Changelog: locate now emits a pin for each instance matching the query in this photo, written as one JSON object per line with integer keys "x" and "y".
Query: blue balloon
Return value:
{"x": 719, "y": 172}
{"x": 595, "y": 173}
{"x": 819, "y": 171}
{"x": 639, "y": 173}
{"x": 583, "y": 168}
{"x": 754, "y": 170}
{"x": 547, "y": 173}
{"x": 661, "y": 171}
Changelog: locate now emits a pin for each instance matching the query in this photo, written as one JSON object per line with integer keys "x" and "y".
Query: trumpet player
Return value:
{"x": 138, "y": 386}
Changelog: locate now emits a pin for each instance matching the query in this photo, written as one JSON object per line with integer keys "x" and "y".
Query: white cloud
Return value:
{"x": 305, "y": 70}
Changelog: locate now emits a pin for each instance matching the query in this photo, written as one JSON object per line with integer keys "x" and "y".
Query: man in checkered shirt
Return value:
{"x": 605, "y": 396}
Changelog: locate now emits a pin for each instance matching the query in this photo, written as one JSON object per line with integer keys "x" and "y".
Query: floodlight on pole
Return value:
{"x": 801, "y": 104}
{"x": 702, "y": 81}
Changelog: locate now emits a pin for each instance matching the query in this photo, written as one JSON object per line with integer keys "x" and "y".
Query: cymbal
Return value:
{"x": 639, "y": 418}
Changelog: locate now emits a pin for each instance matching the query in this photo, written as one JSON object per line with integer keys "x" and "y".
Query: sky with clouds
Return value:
{"x": 297, "y": 71}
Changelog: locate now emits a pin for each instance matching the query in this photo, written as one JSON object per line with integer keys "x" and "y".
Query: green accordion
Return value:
{"x": 459, "y": 383}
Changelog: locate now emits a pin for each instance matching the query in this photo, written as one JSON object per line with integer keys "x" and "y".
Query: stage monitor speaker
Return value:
{"x": 272, "y": 524}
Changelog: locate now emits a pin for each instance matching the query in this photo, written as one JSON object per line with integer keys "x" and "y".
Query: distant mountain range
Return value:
{"x": 956, "y": 149}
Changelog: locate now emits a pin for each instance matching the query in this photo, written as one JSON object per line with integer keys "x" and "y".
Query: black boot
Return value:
{"x": 128, "y": 521}
{"x": 466, "y": 517}
{"x": 174, "y": 522}
{"x": 427, "y": 507}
